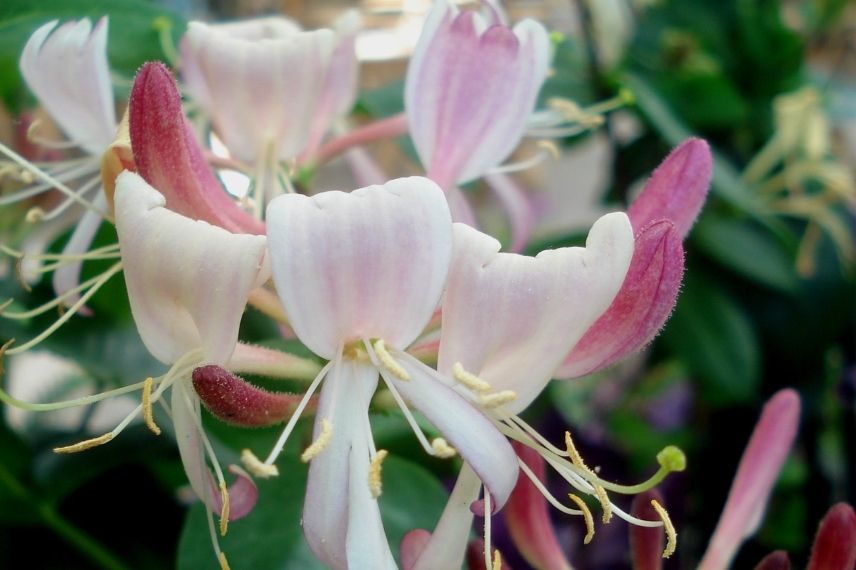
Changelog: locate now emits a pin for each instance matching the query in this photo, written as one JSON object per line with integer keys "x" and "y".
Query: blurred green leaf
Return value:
{"x": 715, "y": 339}
{"x": 271, "y": 537}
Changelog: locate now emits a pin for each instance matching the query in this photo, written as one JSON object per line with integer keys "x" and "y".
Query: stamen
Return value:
{"x": 589, "y": 520}
{"x": 388, "y": 361}
{"x": 469, "y": 379}
{"x": 34, "y": 215}
{"x": 224, "y": 511}
{"x": 497, "y": 560}
{"x": 84, "y": 445}
{"x": 671, "y": 534}
{"x": 3, "y": 349}
{"x": 605, "y": 505}
{"x": 498, "y": 399}
{"x": 375, "y": 480}
{"x": 543, "y": 490}
{"x": 317, "y": 446}
{"x": 258, "y": 468}
{"x": 442, "y": 449}
{"x": 147, "y": 407}
{"x": 224, "y": 564}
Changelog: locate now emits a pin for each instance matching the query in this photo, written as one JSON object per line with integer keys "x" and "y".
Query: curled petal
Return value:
{"x": 835, "y": 544}
{"x": 67, "y": 70}
{"x": 759, "y": 468}
{"x": 528, "y": 520}
{"x": 369, "y": 264}
{"x": 245, "y": 77}
{"x": 470, "y": 89}
{"x": 510, "y": 319}
{"x": 677, "y": 190}
{"x": 188, "y": 281}
{"x": 640, "y": 308}
{"x": 169, "y": 157}
{"x": 236, "y": 401}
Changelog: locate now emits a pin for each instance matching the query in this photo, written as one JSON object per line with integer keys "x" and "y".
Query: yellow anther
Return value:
{"x": 550, "y": 147}
{"x": 34, "y": 214}
{"x": 317, "y": 446}
{"x": 375, "y": 480}
{"x": 469, "y": 379}
{"x": 388, "y": 361}
{"x": 605, "y": 505}
{"x": 84, "y": 445}
{"x": 497, "y": 399}
{"x": 586, "y": 516}
{"x": 26, "y": 176}
{"x": 671, "y": 534}
{"x": 224, "y": 564}
{"x": 497, "y": 560}
{"x": 224, "y": 510}
{"x": 570, "y": 109}
{"x": 576, "y": 459}
{"x": 255, "y": 465}
{"x": 442, "y": 448}
{"x": 147, "y": 406}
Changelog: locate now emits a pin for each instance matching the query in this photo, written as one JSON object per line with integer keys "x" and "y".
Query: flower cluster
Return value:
{"x": 392, "y": 286}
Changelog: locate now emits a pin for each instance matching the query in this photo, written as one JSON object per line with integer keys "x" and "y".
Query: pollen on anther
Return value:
{"x": 147, "y": 407}
{"x": 497, "y": 560}
{"x": 442, "y": 448}
{"x": 317, "y": 446}
{"x": 671, "y": 533}
{"x": 589, "y": 520}
{"x": 388, "y": 361}
{"x": 497, "y": 399}
{"x": 255, "y": 465}
{"x": 605, "y": 505}
{"x": 224, "y": 510}
{"x": 469, "y": 379}
{"x": 375, "y": 479}
{"x": 224, "y": 564}
{"x": 86, "y": 444}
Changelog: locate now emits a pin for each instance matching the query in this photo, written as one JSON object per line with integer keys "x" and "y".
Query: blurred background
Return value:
{"x": 767, "y": 302}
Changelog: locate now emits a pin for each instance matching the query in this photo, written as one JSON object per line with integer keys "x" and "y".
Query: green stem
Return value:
{"x": 52, "y": 519}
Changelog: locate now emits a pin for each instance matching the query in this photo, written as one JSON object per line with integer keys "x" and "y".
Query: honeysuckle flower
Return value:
{"x": 471, "y": 87}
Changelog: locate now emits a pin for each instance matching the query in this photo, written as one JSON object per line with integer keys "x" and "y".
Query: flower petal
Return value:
{"x": 646, "y": 543}
{"x": 187, "y": 281}
{"x": 677, "y": 190}
{"x": 776, "y": 560}
{"x": 640, "y": 308}
{"x": 510, "y": 319}
{"x": 470, "y": 89}
{"x": 170, "y": 158}
{"x": 759, "y": 468}
{"x": 369, "y": 264}
{"x": 518, "y": 207}
{"x": 835, "y": 544}
{"x": 66, "y": 68}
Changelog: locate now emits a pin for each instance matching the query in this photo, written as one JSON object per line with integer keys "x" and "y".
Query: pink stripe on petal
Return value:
{"x": 170, "y": 158}
{"x": 677, "y": 189}
{"x": 835, "y": 544}
{"x": 640, "y": 308}
{"x": 369, "y": 264}
{"x": 759, "y": 468}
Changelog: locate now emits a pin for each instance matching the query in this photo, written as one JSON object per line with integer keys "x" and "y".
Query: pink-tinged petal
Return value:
{"x": 341, "y": 519}
{"x": 641, "y": 307}
{"x": 412, "y": 545}
{"x": 186, "y": 419}
{"x": 369, "y": 264}
{"x": 835, "y": 544}
{"x": 677, "y": 190}
{"x": 646, "y": 543}
{"x": 261, "y": 83}
{"x": 236, "y": 401}
{"x": 66, "y": 68}
{"x": 510, "y": 319}
{"x": 777, "y": 560}
{"x": 170, "y": 158}
{"x": 475, "y": 437}
{"x": 461, "y": 210}
{"x": 366, "y": 170}
{"x": 470, "y": 89}
{"x": 447, "y": 545}
{"x": 67, "y": 277}
{"x": 517, "y": 205}
{"x": 528, "y": 519}
{"x": 759, "y": 468}
{"x": 188, "y": 281}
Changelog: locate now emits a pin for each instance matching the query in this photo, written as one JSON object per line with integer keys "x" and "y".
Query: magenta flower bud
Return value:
{"x": 236, "y": 401}
{"x": 835, "y": 544}
{"x": 777, "y": 560}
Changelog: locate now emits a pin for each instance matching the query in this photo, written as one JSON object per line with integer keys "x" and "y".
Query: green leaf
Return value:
{"x": 715, "y": 339}
{"x": 271, "y": 538}
{"x": 748, "y": 250}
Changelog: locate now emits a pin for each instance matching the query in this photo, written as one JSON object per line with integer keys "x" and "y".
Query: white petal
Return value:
{"x": 67, "y": 71}
{"x": 67, "y": 277}
{"x": 188, "y": 281}
{"x": 511, "y": 319}
{"x": 371, "y": 263}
